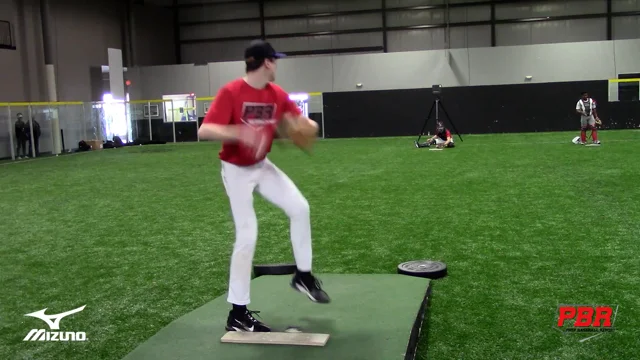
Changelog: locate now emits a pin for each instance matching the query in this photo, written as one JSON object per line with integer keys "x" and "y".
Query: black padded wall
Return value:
{"x": 473, "y": 109}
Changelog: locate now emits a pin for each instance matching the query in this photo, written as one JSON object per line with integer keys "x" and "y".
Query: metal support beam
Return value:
{"x": 385, "y": 29}
{"x": 342, "y": 13}
{"x": 366, "y": 49}
{"x": 130, "y": 44}
{"x": 609, "y": 20}
{"x": 263, "y": 34}
{"x": 493, "y": 24}
{"x": 384, "y": 25}
{"x": 48, "y": 36}
{"x": 126, "y": 33}
{"x": 176, "y": 32}
{"x": 215, "y": 3}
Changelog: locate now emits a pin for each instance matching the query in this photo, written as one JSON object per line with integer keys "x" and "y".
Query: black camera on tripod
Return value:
{"x": 437, "y": 104}
{"x": 436, "y": 90}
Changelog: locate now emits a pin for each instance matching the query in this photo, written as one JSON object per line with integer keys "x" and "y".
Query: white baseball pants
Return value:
{"x": 440, "y": 141}
{"x": 275, "y": 186}
{"x": 587, "y": 120}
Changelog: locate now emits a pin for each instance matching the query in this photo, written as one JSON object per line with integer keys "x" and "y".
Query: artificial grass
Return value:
{"x": 354, "y": 333}
{"x": 143, "y": 235}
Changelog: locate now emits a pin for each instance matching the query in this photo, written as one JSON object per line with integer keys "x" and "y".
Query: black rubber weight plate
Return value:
{"x": 274, "y": 269}
{"x": 423, "y": 268}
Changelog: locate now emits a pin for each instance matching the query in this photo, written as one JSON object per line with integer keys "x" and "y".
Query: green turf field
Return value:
{"x": 143, "y": 235}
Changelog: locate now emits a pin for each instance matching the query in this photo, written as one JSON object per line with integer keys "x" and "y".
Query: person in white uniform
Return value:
{"x": 586, "y": 108}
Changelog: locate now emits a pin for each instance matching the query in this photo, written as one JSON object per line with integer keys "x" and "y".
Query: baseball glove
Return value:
{"x": 301, "y": 131}
{"x": 598, "y": 121}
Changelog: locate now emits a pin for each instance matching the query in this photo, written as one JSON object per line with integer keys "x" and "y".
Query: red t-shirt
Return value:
{"x": 444, "y": 135}
{"x": 238, "y": 103}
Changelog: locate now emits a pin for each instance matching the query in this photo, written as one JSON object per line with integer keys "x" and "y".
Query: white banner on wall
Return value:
{"x": 117, "y": 119}
{"x": 116, "y": 74}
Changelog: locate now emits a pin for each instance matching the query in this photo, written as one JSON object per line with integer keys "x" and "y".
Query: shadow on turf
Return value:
{"x": 147, "y": 149}
{"x": 320, "y": 325}
{"x": 419, "y": 338}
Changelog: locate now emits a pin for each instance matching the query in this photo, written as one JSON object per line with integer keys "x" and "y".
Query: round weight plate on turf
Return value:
{"x": 274, "y": 269}
{"x": 423, "y": 268}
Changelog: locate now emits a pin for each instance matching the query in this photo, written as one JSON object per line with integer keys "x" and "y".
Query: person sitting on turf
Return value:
{"x": 443, "y": 137}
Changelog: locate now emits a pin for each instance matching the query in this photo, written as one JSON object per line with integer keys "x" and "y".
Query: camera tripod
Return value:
{"x": 437, "y": 103}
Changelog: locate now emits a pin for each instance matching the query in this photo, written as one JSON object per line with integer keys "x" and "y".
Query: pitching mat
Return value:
{"x": 370, "y": 317}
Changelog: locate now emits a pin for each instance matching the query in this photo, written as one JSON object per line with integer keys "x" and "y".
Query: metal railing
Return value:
{"x": 53, "y": 128}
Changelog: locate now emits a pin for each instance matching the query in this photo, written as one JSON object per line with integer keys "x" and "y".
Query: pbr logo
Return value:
{"x": 586, "y": 318}
{"x": 53, "y": 321}
{"x": 258, "y": 114}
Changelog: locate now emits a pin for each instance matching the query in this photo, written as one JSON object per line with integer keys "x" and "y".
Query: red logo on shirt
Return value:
{"x": 258, "y": 114}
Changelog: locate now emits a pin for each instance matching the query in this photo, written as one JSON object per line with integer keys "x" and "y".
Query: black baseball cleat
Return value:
{"x": 310, "y": 286}
{"x": 245, "y": 322}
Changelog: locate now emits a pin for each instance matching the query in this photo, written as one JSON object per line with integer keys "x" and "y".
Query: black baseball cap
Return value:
{"x": 260, "y": 50}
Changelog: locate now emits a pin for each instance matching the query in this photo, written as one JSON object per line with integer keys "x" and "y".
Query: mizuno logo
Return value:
{"x": 53, "y": 321}
{"x": 55, "y": 324}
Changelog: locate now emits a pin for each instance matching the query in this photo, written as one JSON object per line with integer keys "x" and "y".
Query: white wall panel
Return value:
{"x": 413, "y": 40}
{"x": 302, "y": 43}
{"x": 546, "y": 63}
{"x": 208, "y": 31}
{"x": 305, "y": 74}
{"x": 513, "y": 34}
{"x": 474, "y": 66}
{"x": 223, "y": 72}
{"x": 327, "y": 42}
{"x": 431, "y": 39}
{"x": 467, "y": 14}
{"x": 470, "y": 36}
{"x": 569, "y": 31}
{"x": 174, "y": 79}
{"x": 416, "y": 17}
{"x": 464, "y": 1}
{"x": 551, "y": 32}
{"x": 401, "y": 3}
{"x": 136, "y": 90}
{"x": 401, "y": 70}
{"x": 438, "y": 16}
{"x": 213, "y": 51}
{"x": 294, "y": 26}
{"x": 184, "y": 2}
{"x": 528, "y": 9}
{"x": 300, "y": 7}
{"x": 329, "y": 23}
{"x": 625, "y": 5}
{"x": 82, "y": 32}
{"x": 153, "y": 27}
{"x": 627, "y": 27}
{"x": 163, "y": 3}
{"x": 219, "y": 12}
{"x": 626, "y": 55}
{"x": 294, "y": 74}
{"x": 356, "y": 40}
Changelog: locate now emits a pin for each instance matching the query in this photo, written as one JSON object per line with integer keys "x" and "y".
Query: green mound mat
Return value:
{"x": 370, "y": 317}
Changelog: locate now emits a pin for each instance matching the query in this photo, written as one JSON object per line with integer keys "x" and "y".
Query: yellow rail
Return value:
{"x": 624, "y": 80}
{"x": 154, "y": 101}
{"x": 5, "y": 104}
